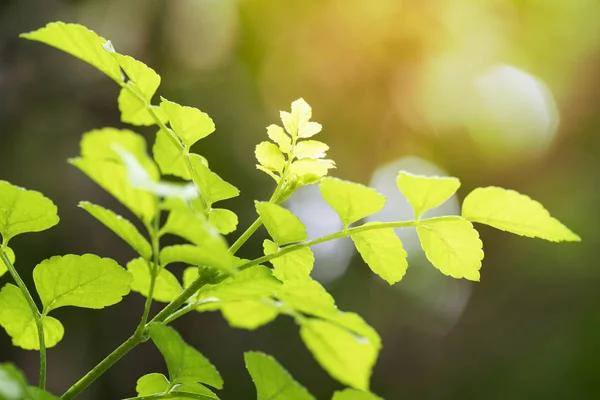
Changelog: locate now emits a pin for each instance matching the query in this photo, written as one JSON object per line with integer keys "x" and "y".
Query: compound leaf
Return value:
{"x": 345, "y": 356}
{"x": 80, "y": 42}
{"x": 169, "y": 156}
{"x": 351, "y": 201}
{"x": 224, "y": 220}
{"x": 24, "y": 211}
{"x": 382, "y": 250}
{"x": 295, "y": 265}
{"x": 122, "y": 227}
{"x": 248, "y": 314}
{"x": 152, "y": 384}
{"x": 514, "y": 212}
{"x": 272, "y": 381}
{"x": 426, "y": 192}
{"x": 86, "y": 281}
{"x": 283, "y": 226}
{"x": 353, "y": 394}
{"x": 185, "y": 364}
{"x": 269, "y": 156}
{"x": 211, "y": 186}
{"x": 453, "y": 246}
{"x": 189, "y": 123}
{"x": 166, "y": 286}
{"x": 18, "y": 321}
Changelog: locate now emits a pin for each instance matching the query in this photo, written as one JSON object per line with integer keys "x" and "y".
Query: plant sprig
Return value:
{"x": 246, "y": 292}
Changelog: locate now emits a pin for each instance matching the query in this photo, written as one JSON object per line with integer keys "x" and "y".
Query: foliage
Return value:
{"x": 247, "y": 293}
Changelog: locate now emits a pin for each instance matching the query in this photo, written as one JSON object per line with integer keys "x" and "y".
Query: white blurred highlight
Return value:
{"x": 511, "y": 112}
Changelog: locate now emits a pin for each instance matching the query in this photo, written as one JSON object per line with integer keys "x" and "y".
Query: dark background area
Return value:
{"x": 494, "y": 92}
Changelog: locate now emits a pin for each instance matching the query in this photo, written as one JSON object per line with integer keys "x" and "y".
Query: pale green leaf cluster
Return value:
{"x": 291, "y": 160}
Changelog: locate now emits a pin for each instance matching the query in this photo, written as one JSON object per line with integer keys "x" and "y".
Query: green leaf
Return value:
{"x": 133, "y": 109}
{"x": 166, "y": 286}
{"x": 80, "y": 42}
{"x": 283, "y": 226}
{"x": 309, "y": 170}
{"x": 122, "y": 227}
{"x": 345, "y": 356}
{"x": 311, "y": 149}
{"x": 11, "y": 257}
{"x": 297, "y": 122}
{"x": 426, "y": 192}
{"x": 514, "y": 212}
{"x": 269, "y": 156}
{"x": 86, "y": 281}
{"x": 248, "y": 314}
{"x": 13, "y": 386}
{"x": 105, "y": 166}
{"x": 453, "y": 246}
{"x": 278, "y": 135}
{"x": 217, "y": 257}
{"x": 18, "y": 321}
{"x": 211, "y": 186}
{"x": 295, "y": 265}
{"x": 190, "y": 225}
{"x": 250, "y": 284}
{"x": 152, "y": 384}
{"x": 189, "y": 123}
{"x": 193, "y": 391}
{"x": 351, "y": 201}
{"x": 353, "y": 394}
{"x": 382, "y": 250}
{"x": 169, "y": 156}
{"x": 185, "y": 364}
{"x": 24, "y": 211}
{"x": 307, "y": 296}
{"x": 272, "y": 381}
{"x": 224, "y": 220}
{"x": 146, "y": 79}
{"x": 12, "y": 383}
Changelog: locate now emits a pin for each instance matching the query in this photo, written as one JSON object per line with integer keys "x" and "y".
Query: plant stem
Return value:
{"x": 180, "y": 313}
{"x": 175, "y": 395}
{"x": 337, "y": 235}
{"x": 102, "y": 367}
{"x": 37, "y": 316}
{"x": 154, "y": 266}
{"x": 245, "y": 236}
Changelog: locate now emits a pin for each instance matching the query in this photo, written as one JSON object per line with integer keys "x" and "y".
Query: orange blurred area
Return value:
{"x": 493, "y": 92}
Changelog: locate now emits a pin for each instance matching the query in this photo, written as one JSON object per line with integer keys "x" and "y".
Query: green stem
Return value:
{"x": 245, "y": 236}
{"x": 37, "y": 316}
{"x": 102, "y": 367}
{"x": 180, "y": 313}
{"x": 154, "y": 266}
{"x": 337, "y": 235}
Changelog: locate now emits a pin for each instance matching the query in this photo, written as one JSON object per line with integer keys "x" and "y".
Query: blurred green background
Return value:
{"x": 493, "y": 92}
